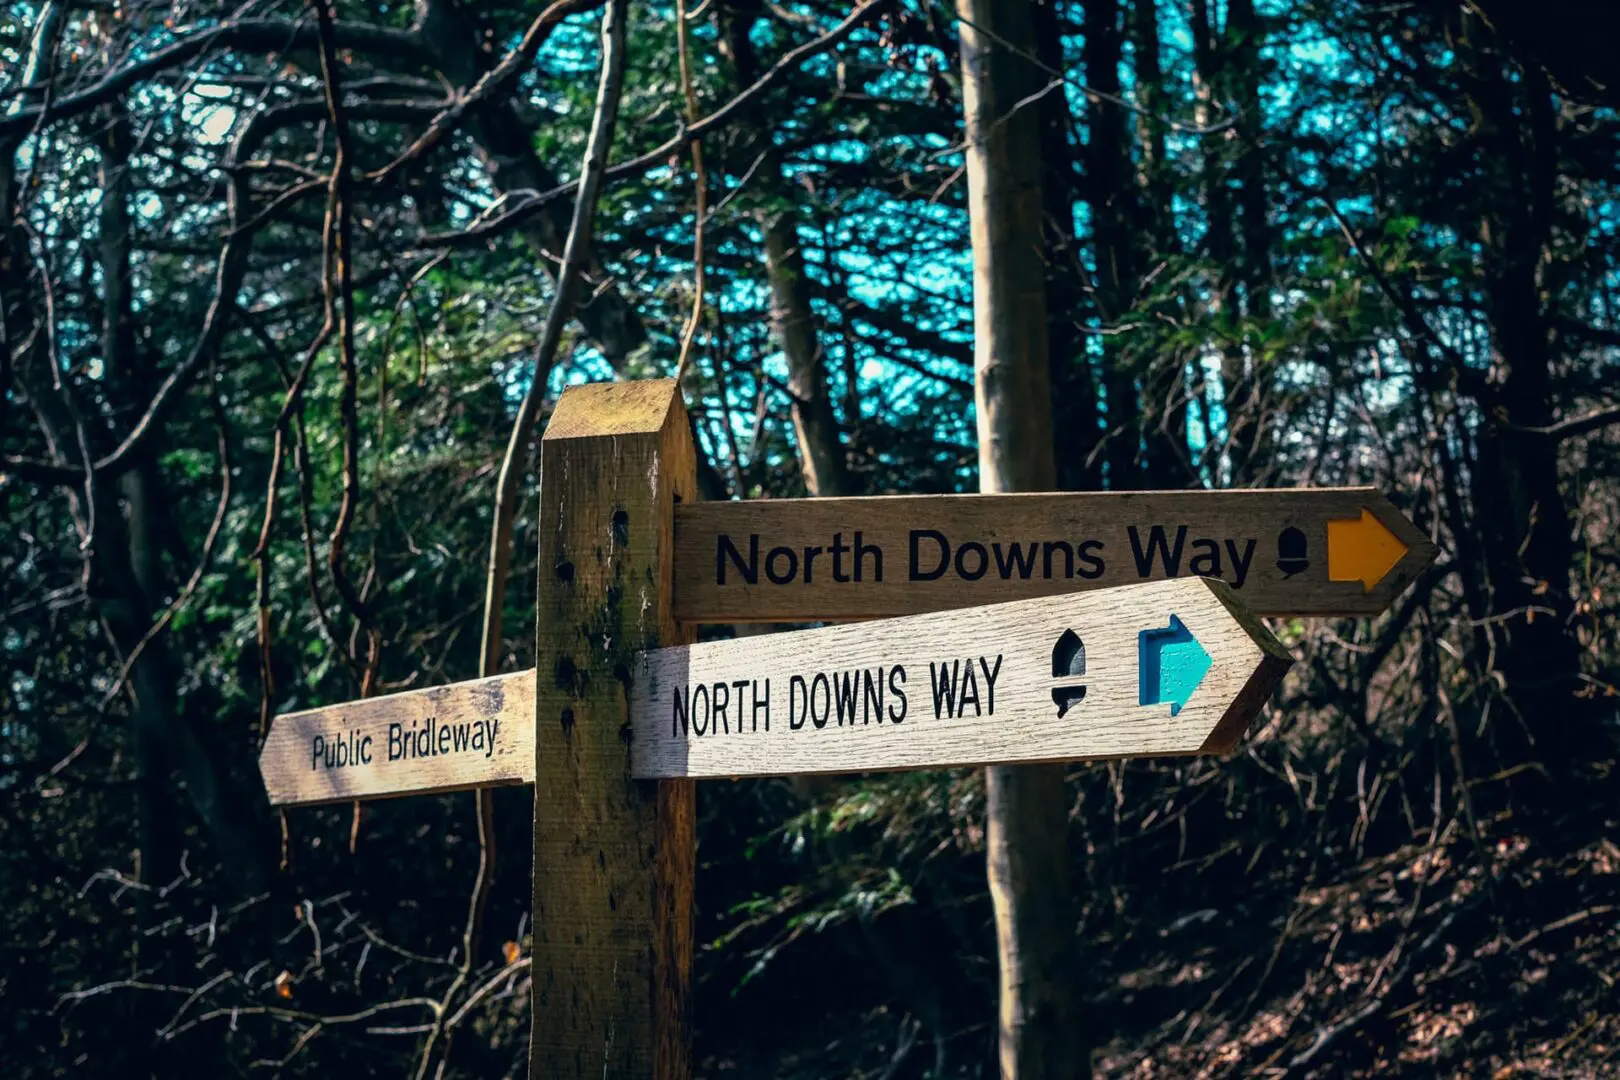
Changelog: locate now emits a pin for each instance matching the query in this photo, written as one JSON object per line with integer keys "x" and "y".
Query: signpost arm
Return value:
{"x": 613, "y": 858}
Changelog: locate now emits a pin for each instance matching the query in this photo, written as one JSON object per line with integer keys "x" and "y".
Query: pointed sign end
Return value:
{"x": 1274, "y": 662}
{"x": 1371, "y": 547}
{"x": 1251, "y": 623}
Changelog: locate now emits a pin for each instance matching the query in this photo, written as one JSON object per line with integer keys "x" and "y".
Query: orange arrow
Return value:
{"x": 1362, "y": 549}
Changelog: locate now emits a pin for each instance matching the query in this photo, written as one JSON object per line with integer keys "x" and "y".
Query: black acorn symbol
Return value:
{"x": 1068, "y": 661}
{"x": 1291, "y": 552}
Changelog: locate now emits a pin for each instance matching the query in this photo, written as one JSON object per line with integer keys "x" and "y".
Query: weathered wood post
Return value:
{"x": 613, "y": 858}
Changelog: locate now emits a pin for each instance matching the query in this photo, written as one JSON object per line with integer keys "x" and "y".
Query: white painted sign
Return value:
{"x": 1169, "y": 667}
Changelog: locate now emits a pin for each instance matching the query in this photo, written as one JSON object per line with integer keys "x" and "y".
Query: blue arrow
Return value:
{"x": 1172, "y": 665}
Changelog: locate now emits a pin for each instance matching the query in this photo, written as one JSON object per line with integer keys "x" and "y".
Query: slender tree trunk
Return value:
{"x": 128, "y": 580}
{"x": 123, "y": 562}
{"x": 1111, "y": 192}
{"x": 1245, "y": 37}
{"x": 1220, "y": 244}
{"x": 1026, "y": 808}
{"x": 1157, "y": 182}
{"x": 1165, "y": 391}
{"x": 1247, "y": 399}
{"x": 815, "y": 424}
{"x": 1076, "y": 410}
{"x": 822, "y": 454}
{"x": 1525, "y": 528}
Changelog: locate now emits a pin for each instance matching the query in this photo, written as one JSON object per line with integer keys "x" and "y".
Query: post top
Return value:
{"x": 612, "y": 408}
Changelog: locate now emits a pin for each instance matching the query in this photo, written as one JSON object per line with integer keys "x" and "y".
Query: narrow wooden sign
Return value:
{"x": 1172, "y": 667}
{"x": 1305, "y": 551}
{"x": 444, "y": 738}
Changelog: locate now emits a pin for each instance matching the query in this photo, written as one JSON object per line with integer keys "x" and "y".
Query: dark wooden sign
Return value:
{"x": 1293, "y": 552}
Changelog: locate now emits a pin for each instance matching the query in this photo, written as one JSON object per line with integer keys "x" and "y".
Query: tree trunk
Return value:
{"x": 1111, "y": 193}
{"x": 505, "y": 141}
{"x": 1164, "y": 390}
{"x": 1525, "y": 528}
{"x": 1246, "y": 394}
{"x": 1220, "y": 245}
{"x": 822, "y": 456}
{"x": 128, "y": 582}
{"x": 1026, "y": 808}
{"x": 815, "y": 424}
{"x": 1076, "y": 410}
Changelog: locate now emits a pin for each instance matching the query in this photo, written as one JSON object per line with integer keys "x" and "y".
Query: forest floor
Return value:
{"x": 1489, "y": 951}
{"x": 1422, "y": 962}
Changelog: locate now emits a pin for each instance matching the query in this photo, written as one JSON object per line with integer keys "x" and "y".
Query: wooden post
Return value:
{"x": 613, "y": 858}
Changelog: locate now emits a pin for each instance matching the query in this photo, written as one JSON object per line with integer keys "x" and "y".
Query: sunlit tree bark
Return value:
{"x": 1026, "y": 810}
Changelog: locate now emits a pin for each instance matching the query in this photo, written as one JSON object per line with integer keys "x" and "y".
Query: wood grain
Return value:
{"x": 1080, "y": 541}
{"x": 897, "y": 722}
{"x": 444, "y": 738}
{"x": 614, "y": 858}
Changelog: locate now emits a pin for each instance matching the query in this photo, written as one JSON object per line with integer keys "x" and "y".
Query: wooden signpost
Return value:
{"x": 614, "y": 858}
{"x": 997, "y": 647}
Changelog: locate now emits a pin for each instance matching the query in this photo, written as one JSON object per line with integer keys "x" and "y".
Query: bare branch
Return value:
{"x": 610, "y": 88}
{"x": 728, "y": 112}
{"x": 497, "y": 80}
{"x": 700, "y": 189}
{"x": 248, "y": 35}
{"x": 1574, "y": 426}
{"x": 339, "y": 289}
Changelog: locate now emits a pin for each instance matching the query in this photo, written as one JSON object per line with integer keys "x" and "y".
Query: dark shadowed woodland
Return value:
{"x": 287, "y": 292}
